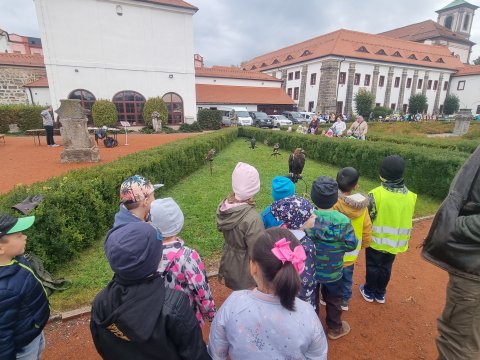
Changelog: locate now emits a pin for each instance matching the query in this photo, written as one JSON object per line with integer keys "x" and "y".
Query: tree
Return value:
{"x": 451, "y": 104}
{"x": 476, "y": 61}
{"x": 364, "y": 101}
{"x": 155, "y": 104}
{"x": 417, "y": 103}
{"x": 104, "y": 113}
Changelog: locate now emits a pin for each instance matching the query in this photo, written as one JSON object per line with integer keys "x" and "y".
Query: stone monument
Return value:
{"x": 462, "y": 121}
{"x": 156, "y": 122}
{"x": 78, "y": 145}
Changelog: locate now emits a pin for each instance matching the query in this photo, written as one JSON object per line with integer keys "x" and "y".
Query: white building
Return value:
{"x": 466, "y": 85}
{"x": 122, "y": 50}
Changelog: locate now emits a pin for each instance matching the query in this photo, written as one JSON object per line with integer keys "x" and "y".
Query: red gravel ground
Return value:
{"x": 402, "y": 329}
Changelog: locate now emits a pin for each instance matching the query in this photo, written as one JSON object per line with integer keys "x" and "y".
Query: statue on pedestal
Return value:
{"x": 462, "y": 121}
{"x": 156, "y": 122}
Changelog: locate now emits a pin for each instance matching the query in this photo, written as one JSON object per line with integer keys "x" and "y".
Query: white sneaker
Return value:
{"x": 54, "y": 145}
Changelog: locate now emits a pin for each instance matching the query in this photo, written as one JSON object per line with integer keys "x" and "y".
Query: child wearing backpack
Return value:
{"x": 180, "y": 265}
{"x": 355, "y": 206}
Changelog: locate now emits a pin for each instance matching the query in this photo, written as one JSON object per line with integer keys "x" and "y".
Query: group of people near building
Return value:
{"x": 281, "y": 263}
{"x": 358, "y": 129}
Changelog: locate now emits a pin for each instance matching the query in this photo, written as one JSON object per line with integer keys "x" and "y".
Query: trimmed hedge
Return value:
{"x": 210, "y": 119}
{"x": 189, "y": 128}
{"x": 25, "y": 116}
{"x": 79, "y": 207}
{"x": 429, "y": 171}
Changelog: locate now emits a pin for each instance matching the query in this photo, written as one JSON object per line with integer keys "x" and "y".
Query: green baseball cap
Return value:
{"x": 11, "y": 225}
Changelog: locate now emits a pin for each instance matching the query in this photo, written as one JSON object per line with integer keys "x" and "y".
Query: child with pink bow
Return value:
{"x": 269, "y": 322}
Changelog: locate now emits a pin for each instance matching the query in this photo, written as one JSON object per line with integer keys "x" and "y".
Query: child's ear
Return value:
{"x": 2, "y": 250}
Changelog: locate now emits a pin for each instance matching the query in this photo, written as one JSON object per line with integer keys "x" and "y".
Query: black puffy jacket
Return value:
{"x": 24, "y": 308}
{"x": 145, "y": 321}
{"x": 453, "y": 242}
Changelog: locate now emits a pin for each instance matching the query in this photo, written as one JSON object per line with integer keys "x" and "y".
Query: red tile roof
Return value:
{"x": 43, "y": 82}
{"x": 468, "y": 70}
{"x": 221, "y": 94}
{"x": 354, "y": 44}
{"x": 21, "y": 60}
{"x": 424, "y": 30}
{"x": 175, "y": 3}
{"x": 233, "y": 73}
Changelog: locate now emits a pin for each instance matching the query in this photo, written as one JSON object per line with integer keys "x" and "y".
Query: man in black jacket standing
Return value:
{"x": 453, "y": 244}
{"x": 135, "y": 316}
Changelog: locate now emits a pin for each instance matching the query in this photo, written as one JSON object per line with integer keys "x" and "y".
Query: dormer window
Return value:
{"x": 381, "y": 52}
{"x": 306, "y": 53}
{"x": 289, "y": 57}
{"x": 275, "y": 62}
{"x": 263, "y": 65}
{"x": 253, "y": 67}
{"x": 413, "y": 57}
{"x": 397, "y": 54}
{"x": 440, "y": 60}
{"x": 362, "y": 49}
{"x": 426, "y": 58}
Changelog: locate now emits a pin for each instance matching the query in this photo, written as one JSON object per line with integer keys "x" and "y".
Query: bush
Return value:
{"x": 79, "y": 207}
{"x": 188, "y": 128}
{"x": 428, "y": 172}
{"x": 364, "y": 101}
{"x": 169, "y": 130}
{"x": 417, "y": 103}
{"x": 27, "y": 117}
{"x": 104, "y": 113}
{"x": 380, "y": 111}
{"x": 451, "y": 104}
{"x": 210, "y": 119}
{"x": 152, "y": 105}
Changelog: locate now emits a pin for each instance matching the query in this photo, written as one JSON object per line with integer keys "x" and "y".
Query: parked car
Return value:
{"x": 280, "y": 120}
{"x": 235, "y": 115}
{"x": 307, "y": 115}
{"x": 295, "y": 117}
{"x": 261, "y": 119}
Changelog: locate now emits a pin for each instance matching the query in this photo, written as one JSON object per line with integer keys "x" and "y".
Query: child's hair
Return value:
{"x": 347, "y": 179}
{"x": 233, "y": 200}
{"x": 283, "y": 277}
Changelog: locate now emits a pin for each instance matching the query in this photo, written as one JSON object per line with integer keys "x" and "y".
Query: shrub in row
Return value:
{"x": 79, "y": 207}
{"x": 209, "y": 119}
{"x": 428, "y": 172}
{"x": 25, "y": 116}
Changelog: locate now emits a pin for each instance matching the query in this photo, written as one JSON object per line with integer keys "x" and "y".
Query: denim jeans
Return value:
{"x": 347, "y": 283}
{"x": 379, "y": 269}
{"x": 33, "y": 350}
{"x": 332, "y": 295}
{"x": 49, "y": 133}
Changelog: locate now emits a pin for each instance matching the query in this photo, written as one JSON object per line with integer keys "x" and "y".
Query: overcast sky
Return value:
{"x": 228, "y": 32}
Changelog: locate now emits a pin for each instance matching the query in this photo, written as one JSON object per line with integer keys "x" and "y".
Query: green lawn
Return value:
{"x": 198, "y": 195}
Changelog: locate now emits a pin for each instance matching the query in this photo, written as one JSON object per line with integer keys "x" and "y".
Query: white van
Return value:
{"x": 235, "y": 115}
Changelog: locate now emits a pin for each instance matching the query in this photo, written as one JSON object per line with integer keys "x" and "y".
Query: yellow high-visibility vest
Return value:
{"x": 357, "y": 225}
{"x": 392, "y": 226}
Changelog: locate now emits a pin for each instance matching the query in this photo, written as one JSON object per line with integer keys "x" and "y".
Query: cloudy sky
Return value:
{"x": 228, "y": 32}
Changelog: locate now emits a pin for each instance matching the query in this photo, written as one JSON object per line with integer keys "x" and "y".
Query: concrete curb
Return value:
{"x": 69, "y": 315}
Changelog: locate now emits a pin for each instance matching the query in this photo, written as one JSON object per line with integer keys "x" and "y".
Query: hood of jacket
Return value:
{"x": 131, "y": 311}
{"x": 229, "y": 218}
{"x": 124, "y": 216}
{"x": 7, "y": 271}
{"x": 351, "y": 205}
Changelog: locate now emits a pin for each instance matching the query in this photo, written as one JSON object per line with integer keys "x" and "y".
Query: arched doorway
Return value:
{"x": 87, "y": 99}
{"x": 129, "y": 106}
{"x": 175, "y": 108}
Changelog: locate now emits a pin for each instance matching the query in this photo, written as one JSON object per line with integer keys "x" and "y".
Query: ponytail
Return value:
{"x": 282, "y": 277}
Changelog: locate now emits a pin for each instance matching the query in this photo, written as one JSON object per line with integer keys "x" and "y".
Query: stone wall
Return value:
{"x": 12, "y": 79}
{"x": 327, "y": 92}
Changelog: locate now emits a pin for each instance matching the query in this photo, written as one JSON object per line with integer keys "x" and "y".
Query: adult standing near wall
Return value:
{"x": 48, "y": 126}
{"x": 453, "y": 244}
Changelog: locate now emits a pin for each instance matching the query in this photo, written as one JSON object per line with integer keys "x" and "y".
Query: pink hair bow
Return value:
{"x": 283, "y": 253}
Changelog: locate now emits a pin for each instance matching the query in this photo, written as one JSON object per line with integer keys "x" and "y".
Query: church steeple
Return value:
{"x": 458, "y": 17}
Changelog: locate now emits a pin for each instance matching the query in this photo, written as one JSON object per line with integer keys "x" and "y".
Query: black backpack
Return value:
{"x": 110, "y": 142}
{"x": 444, "y": 246}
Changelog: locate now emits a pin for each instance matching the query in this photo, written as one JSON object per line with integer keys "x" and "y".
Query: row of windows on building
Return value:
{"x": 130, "y": 104}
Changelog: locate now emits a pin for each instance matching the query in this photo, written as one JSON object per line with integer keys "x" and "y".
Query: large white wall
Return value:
{"x": 38, "y": 95}
{"x": 470, "y": 95}
{"x": 236, "y": 82}
{"x": 148, "y": 49}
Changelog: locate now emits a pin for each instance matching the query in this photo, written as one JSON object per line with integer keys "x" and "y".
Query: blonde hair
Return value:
{"x": 231, "y": 199}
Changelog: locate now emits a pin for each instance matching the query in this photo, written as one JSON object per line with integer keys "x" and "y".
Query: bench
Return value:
{"x": 2, "y": 136}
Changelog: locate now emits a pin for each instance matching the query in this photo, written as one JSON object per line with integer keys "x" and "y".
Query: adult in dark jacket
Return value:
{"x": 136, "y": 317}
{"x": 453, "y": 244}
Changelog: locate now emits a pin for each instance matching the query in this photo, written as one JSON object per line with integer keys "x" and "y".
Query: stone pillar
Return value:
{"x": 425, "y": 82}
{"x": 303, "y": 89}
{"x": 437, "y": 95}
{"x": 401, "y": 94}
{"x": 462, "y": 121}
{"x": 327, "y": 90}
{"x": 376, "y": 72}
{"x": 349, "y": 95}
{"x": 78, "y": 145}
{"x": 284, "y": 79}
{"x": 388, "y": 89}
{"x": 414, "y": 83}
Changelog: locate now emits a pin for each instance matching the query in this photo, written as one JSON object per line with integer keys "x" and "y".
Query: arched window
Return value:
{"x": 466, "y": 22}
{"x": 129, "y": 106}
{"x": 175, "y": 108}
{"x": 448, "y": 22}
{"x": 87, "y": 99}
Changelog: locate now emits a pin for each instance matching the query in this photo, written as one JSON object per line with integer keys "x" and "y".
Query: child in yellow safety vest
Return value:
{"x": 355, "y": 207}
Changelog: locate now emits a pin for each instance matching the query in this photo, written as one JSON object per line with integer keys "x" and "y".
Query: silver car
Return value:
{"x": 280, "y": 120}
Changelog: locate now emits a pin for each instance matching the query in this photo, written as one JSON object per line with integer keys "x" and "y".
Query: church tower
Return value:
{"x": 458, "y": 17}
